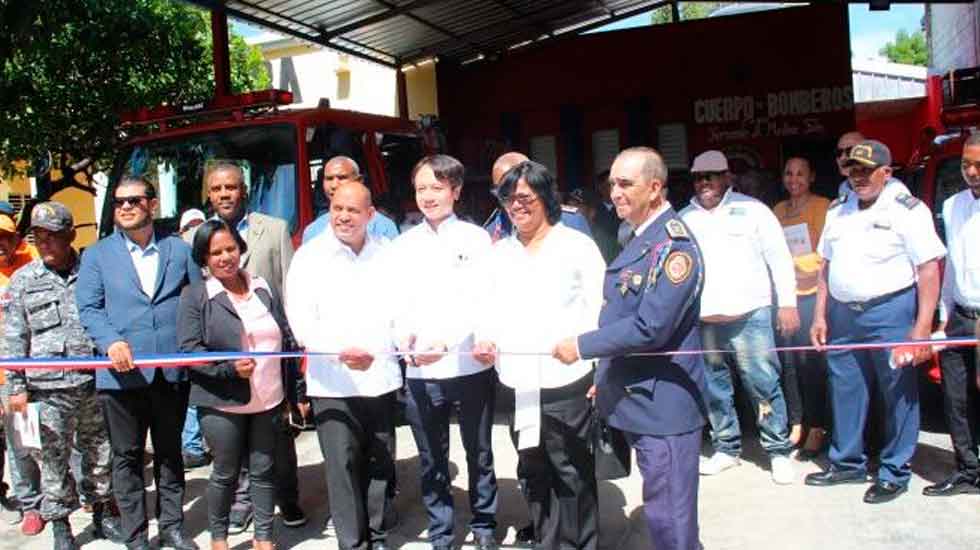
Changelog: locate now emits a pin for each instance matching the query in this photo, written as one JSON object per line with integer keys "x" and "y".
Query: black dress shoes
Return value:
{"x": 175, "y": 539}
{"x": 957, "y": 484}
{"x": 883, "y": 491}
{"x": 834, "y": 476}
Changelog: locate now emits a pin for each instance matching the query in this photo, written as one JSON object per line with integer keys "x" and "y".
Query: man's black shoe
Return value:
{"x": 525, "y": 535}
{"x": 292, "y": 515}
{"x": 486, "y": 542}
{"x": 175, "y": 539}
{"x": 139, "y": 545}
{"x": 239, "y": 519}
{"x": 956, "y": 484}
{"x": 196, "y": 461}
{"x": 835, "y": 477}
{"x": 883, "y": 491}
{"x": 63, "y": 538}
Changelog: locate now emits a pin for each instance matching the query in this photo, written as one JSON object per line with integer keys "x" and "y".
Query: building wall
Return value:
{"x": 313, "y": 73}
{"x": 670, "y": 86}
{"x": 420, "y": 84}
{"x": 954, "y": 35}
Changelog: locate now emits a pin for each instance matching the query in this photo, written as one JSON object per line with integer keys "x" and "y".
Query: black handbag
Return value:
{"x": 613, "y": 458}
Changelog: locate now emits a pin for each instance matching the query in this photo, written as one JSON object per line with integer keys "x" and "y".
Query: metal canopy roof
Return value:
{"x": 399, "y": 32}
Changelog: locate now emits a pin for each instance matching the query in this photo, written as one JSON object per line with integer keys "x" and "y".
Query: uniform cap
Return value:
{"x": 869, "y": 153}
{"x": 52, "y": 216}
{"x": 710, "y": 161}
{"x": 189, "y": 216}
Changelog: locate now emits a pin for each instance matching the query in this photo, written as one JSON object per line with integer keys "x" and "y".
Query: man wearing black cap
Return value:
{"x": 879, "y": 283}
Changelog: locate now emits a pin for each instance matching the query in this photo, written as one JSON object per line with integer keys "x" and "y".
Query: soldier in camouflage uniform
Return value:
{"x": 41, "y": 320}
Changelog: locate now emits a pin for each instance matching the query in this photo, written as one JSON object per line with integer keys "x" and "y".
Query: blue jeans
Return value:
{"x": 855, "y": 374}
{"x": 745, "y": 341}
{"x": 25, "y": 471}
{"x": 191, "y": 439}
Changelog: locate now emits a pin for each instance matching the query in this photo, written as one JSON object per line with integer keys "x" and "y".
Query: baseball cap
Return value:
{"x": 710, "y": 161}
{"x": 189, "y": 216}
{"x": 52, "y": 216}
{"x": 869, "y": 153}
{"x": 7, "y": 224}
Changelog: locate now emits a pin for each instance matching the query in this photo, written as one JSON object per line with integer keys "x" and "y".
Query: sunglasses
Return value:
{"x": 704, "y": 176}
{"x": 523, "y": 200}
{"x": 137, "y": 200}
{"x": 844, "y": 151}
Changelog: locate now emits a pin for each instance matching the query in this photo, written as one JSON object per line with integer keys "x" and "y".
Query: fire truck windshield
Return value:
{"x": 177, "y": 167}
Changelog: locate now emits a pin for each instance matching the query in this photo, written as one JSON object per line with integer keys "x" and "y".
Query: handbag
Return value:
{"x": 613, "y": 455}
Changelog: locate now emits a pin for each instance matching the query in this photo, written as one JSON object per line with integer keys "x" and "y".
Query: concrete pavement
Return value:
{"x": 741, "y": 509}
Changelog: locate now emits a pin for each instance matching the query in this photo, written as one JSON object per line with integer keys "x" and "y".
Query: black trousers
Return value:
{"x": 355, "y": 435}
{"x": 286, "y": 470}
{"x": 232, "y": 438}
{"x": 159, "y": 408}
{"x": 430, "y": 405}
{"x": 960, "y": 396}
{"x": 560, "y": 486}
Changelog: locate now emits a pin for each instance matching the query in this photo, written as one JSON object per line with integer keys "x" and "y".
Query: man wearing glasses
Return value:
{"x": 959, "y": 310}
{"x": 745, "y": 257}
{"x": 128, "y": 289}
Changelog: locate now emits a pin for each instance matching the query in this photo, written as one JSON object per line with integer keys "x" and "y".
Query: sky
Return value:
{"x": 870, "y": 31}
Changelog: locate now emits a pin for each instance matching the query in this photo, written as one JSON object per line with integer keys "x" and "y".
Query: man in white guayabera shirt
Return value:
{"x": 353, "y": 393}
{"x": 437, "y": 308}
{"x": 743, "y": 245}
{"x": 546, "y": 283}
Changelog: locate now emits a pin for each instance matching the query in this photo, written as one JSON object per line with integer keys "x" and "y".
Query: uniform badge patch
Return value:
{"x": 906, "y": 200}
{"x": 678, "y": 266}
{"x": 637, "y": 279}
{"x": 676, "y": 230}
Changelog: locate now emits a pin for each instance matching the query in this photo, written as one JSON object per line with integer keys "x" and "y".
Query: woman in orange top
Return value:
{"x": 804, "y": 373}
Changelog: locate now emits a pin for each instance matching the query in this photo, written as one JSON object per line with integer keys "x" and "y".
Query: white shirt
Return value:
{"x": 441, "y": 281}
{"x": 146, "y": 261}
{"x": 741, "y": 243}
{"x": 875, "y": 251}
{"x": 534, "y": 301}
{"x": 336, "y": 299}
{"x": 961, "y": 279}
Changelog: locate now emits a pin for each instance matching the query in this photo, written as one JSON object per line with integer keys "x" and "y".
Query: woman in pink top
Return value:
{"x": 241, "y": 403}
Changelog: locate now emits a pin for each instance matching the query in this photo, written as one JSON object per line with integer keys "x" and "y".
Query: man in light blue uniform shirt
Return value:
{"x": 340, "y": 170}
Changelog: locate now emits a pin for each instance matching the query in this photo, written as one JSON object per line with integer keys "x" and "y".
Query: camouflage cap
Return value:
{"x": 52, "y": 216}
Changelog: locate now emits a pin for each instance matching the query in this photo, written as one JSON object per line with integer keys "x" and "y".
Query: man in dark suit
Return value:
{"x": 652, "y": 304}
{"x": 128, "y": 289}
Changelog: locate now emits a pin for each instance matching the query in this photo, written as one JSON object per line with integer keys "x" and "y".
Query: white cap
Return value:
{"x": 189, "y": 216}
{"x": 710, "y": 161}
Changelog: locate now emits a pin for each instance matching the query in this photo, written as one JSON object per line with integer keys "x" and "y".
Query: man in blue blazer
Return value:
{"x": 128, "y": 290}
{"x": 652, "y": 304}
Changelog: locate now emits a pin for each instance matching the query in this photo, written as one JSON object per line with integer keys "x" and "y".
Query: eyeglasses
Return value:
{"x": 966, "y": 165}
{"x": 844, "y": 151}
{"x": 524, "y": 200}
{"x": 136, "y": 200}
{"x": 703, "y": 176}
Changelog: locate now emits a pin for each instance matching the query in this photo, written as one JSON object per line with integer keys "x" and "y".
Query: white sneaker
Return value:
{"x": 718, "y": 463}
{"x": 782, "y": 470}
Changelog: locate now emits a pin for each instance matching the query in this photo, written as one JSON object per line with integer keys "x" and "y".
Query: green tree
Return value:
{"x": 688, "y": 11}
{"x": 69, "y": 67}
{"x": 910, "y": 49}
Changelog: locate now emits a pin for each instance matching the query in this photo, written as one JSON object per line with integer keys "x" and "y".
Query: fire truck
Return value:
{"x": 281, "y": 150}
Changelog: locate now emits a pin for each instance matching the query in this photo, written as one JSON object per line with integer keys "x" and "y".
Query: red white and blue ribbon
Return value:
{"x": 181, "y": 360}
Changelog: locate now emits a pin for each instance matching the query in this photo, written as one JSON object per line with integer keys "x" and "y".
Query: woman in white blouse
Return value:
{"x": 546, "y": 283}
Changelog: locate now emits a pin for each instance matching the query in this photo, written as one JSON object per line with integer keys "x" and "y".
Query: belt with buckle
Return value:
{"x": 968, "y": 312}
{"x": 868, "y": 304}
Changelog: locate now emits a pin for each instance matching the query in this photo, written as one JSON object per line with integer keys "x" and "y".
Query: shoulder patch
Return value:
{"x": 678, "y": 267}
{"x": 906, "y": 200}
{"x": 676, "y": 230}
